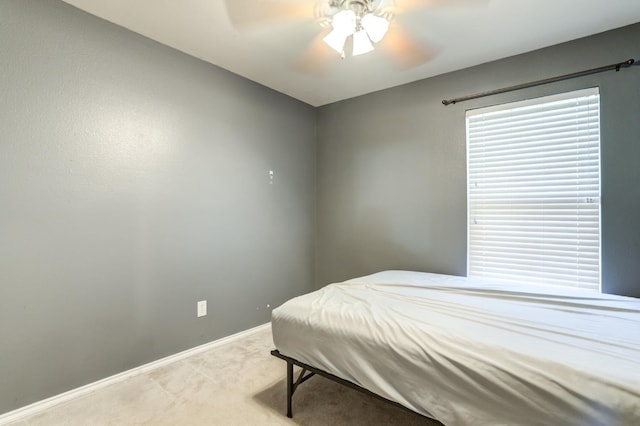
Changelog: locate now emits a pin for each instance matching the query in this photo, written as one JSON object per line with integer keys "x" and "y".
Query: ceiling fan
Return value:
{"x": 364, "y": 21}
{"x": 345, "y": 27}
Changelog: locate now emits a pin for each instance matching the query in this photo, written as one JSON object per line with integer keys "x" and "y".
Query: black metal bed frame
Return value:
{"x": 309, "y": 371}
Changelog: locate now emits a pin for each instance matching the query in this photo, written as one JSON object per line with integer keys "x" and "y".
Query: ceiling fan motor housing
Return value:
{"x": 382, "y": 8}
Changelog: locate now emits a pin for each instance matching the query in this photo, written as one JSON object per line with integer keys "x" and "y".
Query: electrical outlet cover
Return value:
{"x": 202, "y": 308}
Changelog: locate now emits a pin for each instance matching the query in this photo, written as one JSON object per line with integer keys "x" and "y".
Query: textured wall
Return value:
{"x": 392, "y": 164}
{"x": 134, "y": 181}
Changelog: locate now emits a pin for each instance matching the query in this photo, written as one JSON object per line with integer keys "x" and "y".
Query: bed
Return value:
{"x": 470, "y": 352}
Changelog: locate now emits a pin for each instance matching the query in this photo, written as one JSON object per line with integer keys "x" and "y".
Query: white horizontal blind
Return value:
{"x": 534, "y": 190}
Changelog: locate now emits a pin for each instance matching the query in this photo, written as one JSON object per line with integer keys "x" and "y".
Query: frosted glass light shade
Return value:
{"x": 344, "y": 22}
{"x": 335, "y": 40}
{"x": 375, "y": 26}
{"x": 361, "y": 43}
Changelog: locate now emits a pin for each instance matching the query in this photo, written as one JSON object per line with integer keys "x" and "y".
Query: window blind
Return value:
{"x": 534, "y": 190}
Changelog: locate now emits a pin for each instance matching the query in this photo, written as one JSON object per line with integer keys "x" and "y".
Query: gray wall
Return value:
{"x": 391, "y": 170}
{"x": 134, "y": 182}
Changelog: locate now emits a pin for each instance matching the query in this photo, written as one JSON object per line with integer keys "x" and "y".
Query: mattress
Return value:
{"x": 473, "y": 352}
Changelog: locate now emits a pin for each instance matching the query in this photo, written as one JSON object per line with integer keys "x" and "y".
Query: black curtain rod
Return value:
{"x": 616, "y": 67}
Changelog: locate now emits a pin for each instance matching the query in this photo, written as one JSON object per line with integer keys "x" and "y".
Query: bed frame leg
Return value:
{"x": 292, "y": 384}
{"x": 289, "y": 388}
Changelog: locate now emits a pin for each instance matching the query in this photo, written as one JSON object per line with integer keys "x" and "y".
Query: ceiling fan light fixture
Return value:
{"x": 360, "y": 19}
{"x": 361, "y": 43}
{"x": 375, "y": 26}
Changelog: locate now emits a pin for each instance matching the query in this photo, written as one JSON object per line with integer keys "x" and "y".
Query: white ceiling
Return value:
{"x": 459, "y": 33}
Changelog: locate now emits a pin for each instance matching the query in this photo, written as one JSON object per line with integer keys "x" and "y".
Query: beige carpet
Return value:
{"x": 238, "y": 383}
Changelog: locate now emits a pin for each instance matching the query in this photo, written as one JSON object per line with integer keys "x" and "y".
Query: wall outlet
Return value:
{"x": 202, "y": 308}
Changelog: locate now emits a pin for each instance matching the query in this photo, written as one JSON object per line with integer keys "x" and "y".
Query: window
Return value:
{"x": 534, "y": 190}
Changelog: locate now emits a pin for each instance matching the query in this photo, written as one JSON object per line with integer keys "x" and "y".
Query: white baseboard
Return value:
{"x": 39, "y": 406}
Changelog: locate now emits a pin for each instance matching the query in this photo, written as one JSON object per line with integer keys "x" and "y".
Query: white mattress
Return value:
{"x": 470, "y": 352}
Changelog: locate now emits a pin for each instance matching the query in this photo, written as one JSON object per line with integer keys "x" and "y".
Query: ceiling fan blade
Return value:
{"x": 248, "y": 13}
{"x": 318, "y": 57}
{"x": 404, "y": 49}
{"x": 402, "y": 6}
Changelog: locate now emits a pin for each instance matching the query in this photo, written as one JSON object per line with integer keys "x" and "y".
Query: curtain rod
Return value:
{"x": 616, "y": 67}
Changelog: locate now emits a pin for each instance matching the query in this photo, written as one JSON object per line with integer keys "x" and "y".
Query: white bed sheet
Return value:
{"x": 473, "y": 352}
